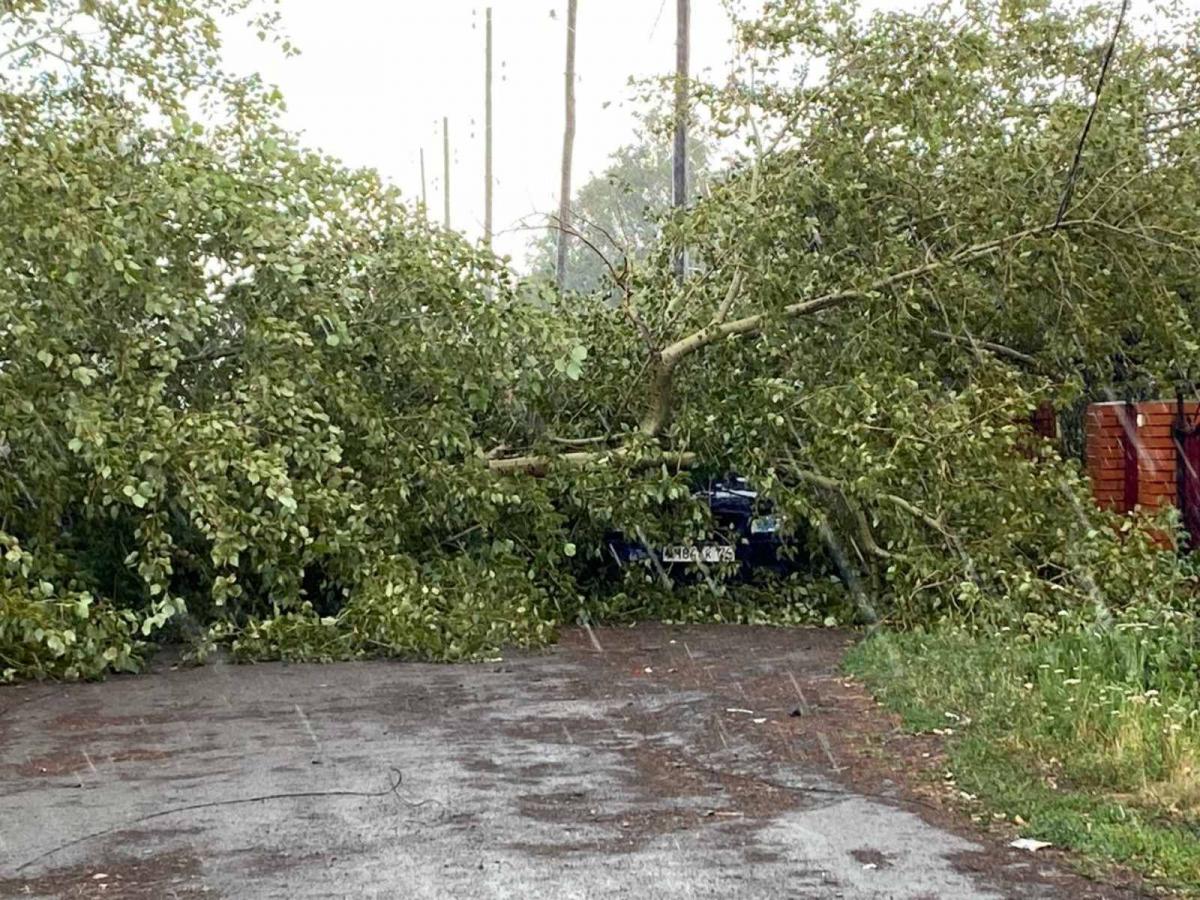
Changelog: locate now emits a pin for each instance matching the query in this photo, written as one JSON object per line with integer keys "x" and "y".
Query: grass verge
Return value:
{"x": 1087, "y": 737}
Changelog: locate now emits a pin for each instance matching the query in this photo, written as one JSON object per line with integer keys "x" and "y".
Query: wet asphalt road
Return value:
{"x": 649, "y": 762}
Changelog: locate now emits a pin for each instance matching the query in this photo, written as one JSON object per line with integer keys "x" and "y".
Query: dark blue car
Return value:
{"x": 746, "y": 533}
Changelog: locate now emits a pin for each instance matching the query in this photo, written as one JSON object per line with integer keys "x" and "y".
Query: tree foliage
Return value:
{"x": 892, "y": 283}
{"x": 249, "y": 395}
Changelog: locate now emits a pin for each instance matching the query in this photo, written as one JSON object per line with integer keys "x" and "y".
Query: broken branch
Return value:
{"x": 540, "y": 465}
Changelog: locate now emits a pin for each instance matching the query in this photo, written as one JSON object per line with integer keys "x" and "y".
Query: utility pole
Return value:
{"x": 446, "y": 171}
{"x": 424, "y": 191}
{"x": 487, "y": 134}
{"x": 564, "y": 198}
{"x": 682, "y": 31}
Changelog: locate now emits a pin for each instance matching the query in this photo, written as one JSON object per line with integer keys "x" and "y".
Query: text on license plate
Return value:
{"x": 710, "y": 553}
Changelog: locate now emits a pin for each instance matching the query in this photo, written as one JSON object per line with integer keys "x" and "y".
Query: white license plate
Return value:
{"x": 708, "y": 553}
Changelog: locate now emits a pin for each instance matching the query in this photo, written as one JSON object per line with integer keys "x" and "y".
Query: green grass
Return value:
{"x": 1089, "y": 735}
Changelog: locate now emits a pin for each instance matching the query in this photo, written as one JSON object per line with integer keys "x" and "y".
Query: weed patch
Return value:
{"x": 1087, "y": 733}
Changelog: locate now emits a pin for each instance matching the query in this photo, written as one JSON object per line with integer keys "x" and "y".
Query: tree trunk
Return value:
{"x": 564, "y": 196}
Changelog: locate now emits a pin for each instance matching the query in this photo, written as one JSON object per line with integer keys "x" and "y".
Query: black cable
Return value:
{"x": 1073, "y": 175}
{"x": 393, "y": 788}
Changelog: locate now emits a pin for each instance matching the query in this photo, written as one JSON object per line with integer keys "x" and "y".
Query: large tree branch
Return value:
{"x": 581, "y": 442}
{"x": 540, "y": 465}
{"x": 991, "y": 346}
{"x": 753, "y": 323}
{"x": 832, "y": 484}
{"x": 658, "y": 409}
{"x": 866, "y": 536}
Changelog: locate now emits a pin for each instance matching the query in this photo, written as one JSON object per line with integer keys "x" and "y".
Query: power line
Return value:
{"x": 1073, "y": 174}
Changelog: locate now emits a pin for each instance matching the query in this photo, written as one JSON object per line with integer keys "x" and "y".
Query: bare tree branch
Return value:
{"x": 570, "y": 230}
{"x": 899, "y": 502}
{"x": 620, "y": 279}
{"x": 735, "y": 287}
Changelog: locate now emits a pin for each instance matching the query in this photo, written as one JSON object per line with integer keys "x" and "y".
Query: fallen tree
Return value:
{"x": 249, "y": 396}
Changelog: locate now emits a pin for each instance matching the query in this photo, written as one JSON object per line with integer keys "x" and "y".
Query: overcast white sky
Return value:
{"x": 375, "y": 77}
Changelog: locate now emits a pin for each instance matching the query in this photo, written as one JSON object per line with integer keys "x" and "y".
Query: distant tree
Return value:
{"x": 619, "y": 212}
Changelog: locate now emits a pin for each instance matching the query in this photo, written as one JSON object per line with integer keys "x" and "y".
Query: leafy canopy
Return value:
{"x": 249, "y": 396}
